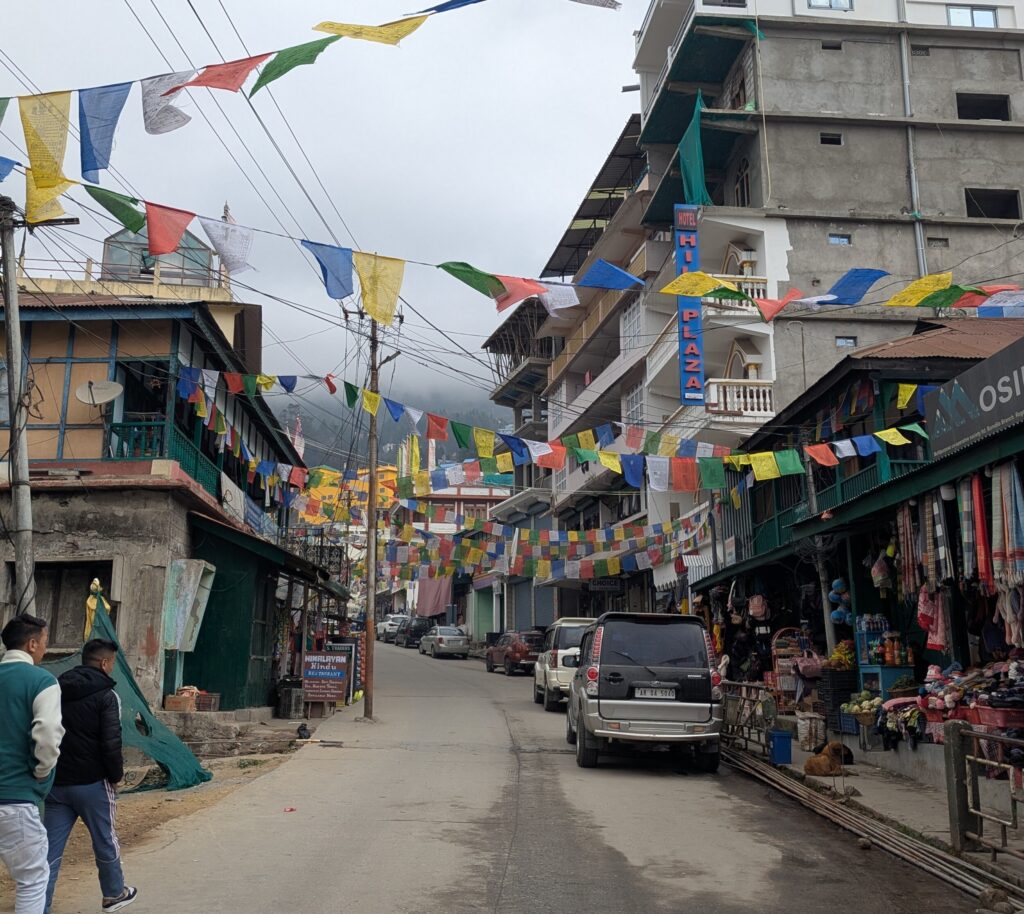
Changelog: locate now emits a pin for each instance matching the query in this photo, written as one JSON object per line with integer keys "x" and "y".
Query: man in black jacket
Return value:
{"x": 90, "y": 765}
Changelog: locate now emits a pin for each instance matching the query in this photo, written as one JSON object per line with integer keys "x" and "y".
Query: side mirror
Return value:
{"x": 571, "y": 660}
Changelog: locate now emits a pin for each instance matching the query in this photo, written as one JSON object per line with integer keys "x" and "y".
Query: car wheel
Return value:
{"x": 421, "y": 648}
{"x": 570, "y": 734}
{"x": 708, "y": 761}
{"x": 551, "y": 700}
{"x": 538, "y": 696}
{"x": 586, "y": 747}
{"x": 433, "y": 652}
{"x": 508, "y": 667}
{"x": 488, "y": 664}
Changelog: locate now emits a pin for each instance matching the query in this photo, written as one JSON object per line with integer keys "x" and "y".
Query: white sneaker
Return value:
{"x": 129, "y": 895}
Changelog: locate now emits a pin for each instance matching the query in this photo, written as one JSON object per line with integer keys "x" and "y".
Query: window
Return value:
{"x": 829, "y": 45}
{"x": 475, "y": 510}
{"x": 920, "y": 50}
{"x": 830, "y": 139}
{"x": 630, "y": 325}
{"x": 839, "y": 239}
{"x": 830, "y": 4}
{"x": 633, "y": 413}
{"x": 976, "y": 106}
{"x": 985, "y": 203}
{"x": 935, "y": 242}
{"x": 742, "y": 192}
{"x": 846, "y": 342}
{"x": 977, "y": 17}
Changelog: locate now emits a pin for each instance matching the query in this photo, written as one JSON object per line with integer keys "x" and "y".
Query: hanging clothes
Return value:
{"x": 910, "y": 575}
{"x": 982, "y": 547}
{"x": 928, "y": 558}
{"x": 1008, "y": 549}
{"x": 968, "y": 542}
{"x": 944, "y": 556}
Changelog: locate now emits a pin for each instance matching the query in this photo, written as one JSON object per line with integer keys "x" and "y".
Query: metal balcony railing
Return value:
{"x": 146, "y": 441}
{"x": 739, "y": 399}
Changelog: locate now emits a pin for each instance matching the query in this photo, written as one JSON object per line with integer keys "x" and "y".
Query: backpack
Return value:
{"x": 757, "y": 606}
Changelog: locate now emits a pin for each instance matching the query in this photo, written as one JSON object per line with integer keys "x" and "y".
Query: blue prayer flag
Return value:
{"x": 604, "y": 275}
{"x": 992, "y": 310}
{"x": 520, "y": 453}
{"x": 266, "y": 468}
{"x": 854, "y": 285}
{"x": 633, "y": 469}
{"x": 98, "y": 111}
{"x": 629, "y": 563}
{"x": 188, "y": 381}
{"x": 336, "y": 266}
{"x": 438, "y": 480}
{"x": 351, "y": 475}
{"x": 397, "y": 410}
{"x": 448, "y": 5}
{"x": 687, "y": 448}
{"x": 605, "y": 435}
{"x": 866, "y": 445}
{"x": 7, "y": 166}
{"x": 287, "y": 381}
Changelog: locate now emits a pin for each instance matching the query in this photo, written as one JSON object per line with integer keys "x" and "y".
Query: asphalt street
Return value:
{"x": 464, "y": 797}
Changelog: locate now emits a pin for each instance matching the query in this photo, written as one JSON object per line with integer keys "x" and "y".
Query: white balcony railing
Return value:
{"x": 754, "y": 286}
{"x": 739, "y": 400}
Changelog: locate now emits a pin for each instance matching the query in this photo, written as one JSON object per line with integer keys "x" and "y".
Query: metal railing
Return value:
{"x": 136, "y": 440}
{"x": 747, "y": 709}
{"x": 740, "y": 399}
{"x": 194, "y": 462}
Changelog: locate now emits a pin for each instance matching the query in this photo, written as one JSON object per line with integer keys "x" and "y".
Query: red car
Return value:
{"x": 514, "y": 651}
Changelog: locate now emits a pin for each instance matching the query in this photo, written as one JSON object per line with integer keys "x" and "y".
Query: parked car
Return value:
{"x": 551, "y": 677}
{"x": 387, "y": 627}
{"x": 514, "y": 651}
{"x": 645, "y": 678}
{"x": 445, "y": 641}
{"x": 411, "y": 630}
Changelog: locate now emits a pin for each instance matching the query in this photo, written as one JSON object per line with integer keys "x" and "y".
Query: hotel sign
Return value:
{"x": 691, "y": 329}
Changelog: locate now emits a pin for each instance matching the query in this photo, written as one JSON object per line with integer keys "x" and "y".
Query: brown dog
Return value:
{"x": 826, "y": 763}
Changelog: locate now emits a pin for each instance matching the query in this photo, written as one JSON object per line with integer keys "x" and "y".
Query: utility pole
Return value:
{"x": 371, "y": 528}
{"x": 21, "y": 493}
{"x": 819, "y": 562}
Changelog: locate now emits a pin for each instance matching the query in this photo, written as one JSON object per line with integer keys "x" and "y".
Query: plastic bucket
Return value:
{"x": 780, "y": 747}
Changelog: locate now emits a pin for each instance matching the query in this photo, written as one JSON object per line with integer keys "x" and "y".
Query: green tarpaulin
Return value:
{"x": 691, "y": 159}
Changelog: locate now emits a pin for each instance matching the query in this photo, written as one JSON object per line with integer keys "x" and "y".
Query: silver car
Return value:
{"x": 445, "y": 641}
{"x": 645, "y": 678}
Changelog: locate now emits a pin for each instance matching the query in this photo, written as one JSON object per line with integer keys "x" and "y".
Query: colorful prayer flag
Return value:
{"x": 98, "y": 111}
{"x": 287, "y": 59}
{"x": 158, "y": 113}
{"x": 389, "y": 33}
{"x": 517, "y": 289}
{"x": 764, "y": 466}
{"x": 351, "y": 394}
{"x": 229, "y": 75}
{"x": 920, "y": 289}
{"x": 121, "y": 207}
{"x": 437, "y": 427}
{"x": 462, "y": 433}
{"x": 605, "y": 275}
{"x": 611, "y": 460}
{"x": 904, "y": 395}
{"x": 41, "y": 203}
{"x": 484, "y": 439}
{"x": 712, "y": 472}
{"x": 45, "y": 121}
{"x": 485, "y": 283}
{"x": 696, "y": 285}
{"x": 788, "y": 462}
{"x": 232, "y": 243}
{"x": 165, "y": 226}
{"x": 821, "y": 454}
{"x": 892, "y": 436}
{"x": 335, "y": 266}
{"x": 380, "y": 280}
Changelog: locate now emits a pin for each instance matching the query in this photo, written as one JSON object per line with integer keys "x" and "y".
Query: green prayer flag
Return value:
{"x": 585, "y": 456}
{"x": 529, "y": 568}
{"x": 947, "y": 298}
{"x": 652, "y": 443}
{"x": 488, "y": 465}
{"x": 351, "y": 394}
{"x": 485, "y": 283}
{"x": 572, "y": 441}
{"x": 249, "y": 383}
{"x": 119, "y": 206}
{"x": 914, "y": 427}
{"x": 463, "y": 433}
{"x": 288, "y": 59}
{"x": 789, "y": 463}
{"x": 712, "y": 472}
{"x": 4, "y": 102}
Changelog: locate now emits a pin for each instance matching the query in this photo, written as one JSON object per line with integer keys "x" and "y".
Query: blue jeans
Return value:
{"x": 95, "y": 805}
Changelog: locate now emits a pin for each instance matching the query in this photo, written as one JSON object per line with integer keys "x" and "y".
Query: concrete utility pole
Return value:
{"x": 819, "y": 562}
{"x": 21, "y": 493}
{"x": 371, "y": 528}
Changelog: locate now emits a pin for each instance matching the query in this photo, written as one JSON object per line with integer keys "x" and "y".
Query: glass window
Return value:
{"x": 633, "y": 412}
{"x": 570, "y": 636}
{"x": 830, "y": 4}
{"x": 839, "y": 239}
{"x": 630, "y": 326}
{"x": 977, "y": 17}
{"x": 846, "y": 342}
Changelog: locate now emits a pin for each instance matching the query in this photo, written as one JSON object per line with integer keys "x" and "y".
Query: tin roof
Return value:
{"x": 953, "y": 338}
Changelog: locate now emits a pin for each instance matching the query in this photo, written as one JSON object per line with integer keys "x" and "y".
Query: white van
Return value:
{"x": 551, "y": 678}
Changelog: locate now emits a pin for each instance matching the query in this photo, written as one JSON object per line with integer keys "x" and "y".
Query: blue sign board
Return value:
{"x": 686, "y": 240}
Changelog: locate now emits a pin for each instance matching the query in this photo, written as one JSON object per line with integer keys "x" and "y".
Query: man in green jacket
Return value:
{"x": 30, "y": 735}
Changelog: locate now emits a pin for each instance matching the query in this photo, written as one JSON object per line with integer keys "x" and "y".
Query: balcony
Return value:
{"x": 580, "y": 335}
{"x": 742, "y": 402}
{"x": 148, "y": 441}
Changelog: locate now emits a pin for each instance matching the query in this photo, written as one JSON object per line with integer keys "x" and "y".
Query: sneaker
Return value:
{"x": 129, "y": 895}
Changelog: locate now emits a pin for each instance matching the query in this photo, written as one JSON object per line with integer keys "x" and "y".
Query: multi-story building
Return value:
{"x": 141, "y": 492}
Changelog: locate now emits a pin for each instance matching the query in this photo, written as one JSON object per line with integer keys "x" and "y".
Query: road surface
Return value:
{"x": 464, "y": 797}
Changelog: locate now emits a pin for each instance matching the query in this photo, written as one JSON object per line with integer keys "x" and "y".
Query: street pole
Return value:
{"x": 819, "y": 562}
{"x": 21, "y": 493}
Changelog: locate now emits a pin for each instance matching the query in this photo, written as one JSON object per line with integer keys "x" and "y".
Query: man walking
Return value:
{"x": 90, "y": 765}
{"x": 30, "y": 735}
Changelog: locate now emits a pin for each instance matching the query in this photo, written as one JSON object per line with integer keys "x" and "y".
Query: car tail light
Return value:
{"x": 554, "y": 659}
{"x": 594, "y": 670}
{"x": 440, "y": 640}
{"x": 716, "y": 677}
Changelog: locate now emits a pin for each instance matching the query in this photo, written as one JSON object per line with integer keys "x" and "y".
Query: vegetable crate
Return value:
{"x": 848, "y": 724}
{"x": 835, "y": 689}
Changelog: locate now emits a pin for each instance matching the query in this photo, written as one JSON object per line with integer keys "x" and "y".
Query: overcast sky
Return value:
{"x": 475, "y": 140}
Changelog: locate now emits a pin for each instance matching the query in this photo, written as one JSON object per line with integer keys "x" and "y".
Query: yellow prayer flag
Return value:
{"x": 614, "y": 565}
{"x": 920, "y": 289}
{"x": 696, "y": 284}
{"x": 611, "y": 460}
{"x": 505, "y": 463}
{"x": 380, "y": 279}
{"x": 587, "y": 440}
{"x": 734, "y": 494}
{"x": 371, "y": 401}
{"x": 544, "y": 569}
{"x": 41, "y": 202}
{"x": 389, "y": 33}
{"x": 484, "y": 439}
{"x": 619, "y": 534}
{"x": 474, "y": 556}
{"x": 669, "y": 445}
{"x": 408, "y": 531}
{"x": 734, "y": 460}
{"x": 892, "y": 436}
{"x": 904, "y": 394}
{"x": 266, "y": 382}
{"x": 201, "y": 411}
{"x": 574, "y": 536}
{"x": 764, "y": 466}
{"x": 414, "y": 453}
{"x": 421, "y": 482}
{"x": 45, "y": 121}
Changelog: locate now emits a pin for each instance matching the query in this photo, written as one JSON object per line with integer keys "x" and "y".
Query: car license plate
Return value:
{"x": 655, "y": 693}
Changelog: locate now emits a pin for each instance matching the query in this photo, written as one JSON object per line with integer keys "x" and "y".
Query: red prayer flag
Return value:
{"x": 437, "y": 427}
{"x": 822, "y": 454}
{"x": 234, "y": 382}
{"x": 684, "y": 474}
{"x": 556, "y": 459}
{"x": 586, "y": 570}
{"x": 770, "y": 307}
{"x": 720, "y": 450}
{"x": 473, "y": 472}
{"x": 228, "y": 75}
{"x": 974, "y": 299}
{"x": 298, "y": 477}
{"x": 331, "y": 386}
{"x": 165, "y": 226}
{"x": 634, "y": 437}
{"x": 516, "y": 289}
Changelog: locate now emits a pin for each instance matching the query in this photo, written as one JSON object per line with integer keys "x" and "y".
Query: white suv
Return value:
{"x": 388, "y": 626}
{"x": 551, "y": 677}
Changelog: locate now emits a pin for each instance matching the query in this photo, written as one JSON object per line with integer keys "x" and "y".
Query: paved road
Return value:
{"x": 465, "y": 798}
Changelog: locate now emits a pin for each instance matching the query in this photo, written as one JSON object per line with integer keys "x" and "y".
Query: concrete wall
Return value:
{"x": 983, "y": 159}
{"x": 139, "y": 535}
{"x": 937, "y": 77}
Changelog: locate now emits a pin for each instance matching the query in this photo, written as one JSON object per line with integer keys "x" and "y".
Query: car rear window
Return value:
{"x": 655, "y": 644}
{"x": 569, "y": 636}
{"x": 448, "y": 631}
{"x": 422, "y": 623}
{"x": 533, "y": 639}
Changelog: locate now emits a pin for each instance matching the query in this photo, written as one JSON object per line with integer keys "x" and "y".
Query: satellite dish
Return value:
{"x": 96, "y": 393}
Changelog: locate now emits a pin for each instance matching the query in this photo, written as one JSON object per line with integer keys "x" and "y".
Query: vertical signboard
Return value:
{"x": 325, "y": 677}
{"x": 691, "y": 333}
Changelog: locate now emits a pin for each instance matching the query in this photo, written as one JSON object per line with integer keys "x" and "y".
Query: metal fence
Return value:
{"x": 748, "y": 710}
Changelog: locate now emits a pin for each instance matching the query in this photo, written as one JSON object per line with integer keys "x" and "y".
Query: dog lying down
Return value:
{"x": 829, "y": 761}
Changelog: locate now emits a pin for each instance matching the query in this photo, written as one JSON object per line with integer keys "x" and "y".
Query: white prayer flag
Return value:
{"x": 705, "y": 449}
{"x": 537, "y": 448}
{"x": 414, "y": 414}
{"x": 158, "y": 113}
{"x": 233, "y": 243}
{"x": 607, "y": 4}
{"x": 558, "y": 296}
{"x": 657, "y": 473}
{"x": 844, "y": 448}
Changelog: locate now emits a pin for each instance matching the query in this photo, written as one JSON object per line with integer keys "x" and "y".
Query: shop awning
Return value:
{"x": 259, "y": 546}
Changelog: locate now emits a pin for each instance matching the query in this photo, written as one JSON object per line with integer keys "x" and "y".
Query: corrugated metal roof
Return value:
{"x": 85, "y": 300}
{"x": 968, "y": 338}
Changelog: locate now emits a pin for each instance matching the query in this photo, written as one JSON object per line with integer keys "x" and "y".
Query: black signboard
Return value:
{"x": 983, "y": 400}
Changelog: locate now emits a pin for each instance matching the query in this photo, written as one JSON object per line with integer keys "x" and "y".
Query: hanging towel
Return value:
{"x": 910, "y": 577}
{"x": 928, "y": 556}
{"x": 968, "y": 541}
{"x": 984, "y": 551}
{"x": 943, "y": 559}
